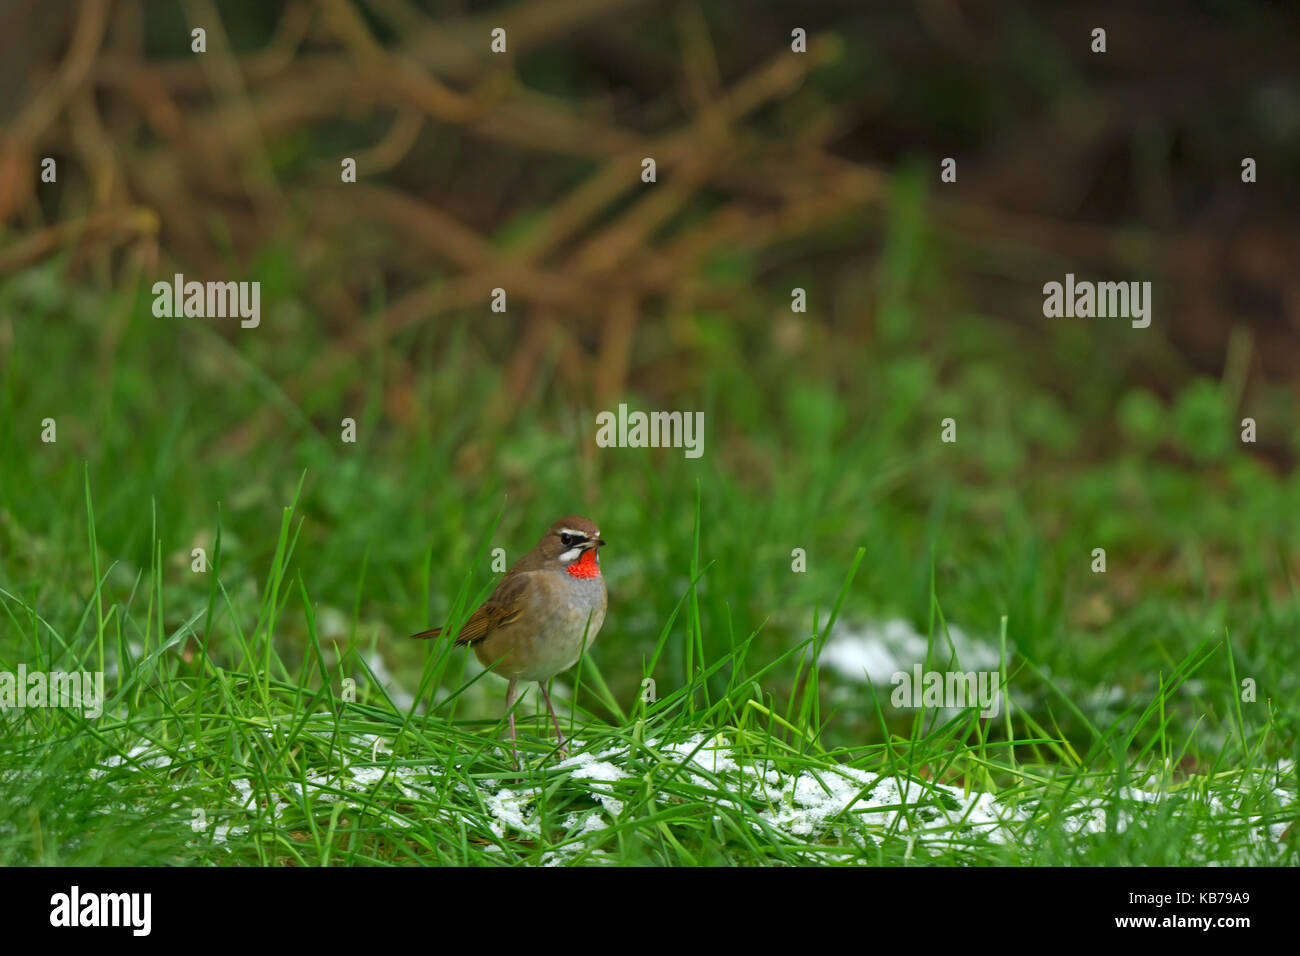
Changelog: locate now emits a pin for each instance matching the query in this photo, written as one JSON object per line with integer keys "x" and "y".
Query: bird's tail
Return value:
{"x": 425, "y": 635}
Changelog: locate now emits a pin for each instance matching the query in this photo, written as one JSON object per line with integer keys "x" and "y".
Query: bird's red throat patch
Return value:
{"x": 585, "y": 566}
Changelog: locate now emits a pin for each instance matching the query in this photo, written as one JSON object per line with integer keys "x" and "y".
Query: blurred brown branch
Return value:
{"x": 164, "y": 149}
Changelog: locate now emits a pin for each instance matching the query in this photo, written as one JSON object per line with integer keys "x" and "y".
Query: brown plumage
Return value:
{"x": 502, "y": 607}
{"x": 549, "y": 607}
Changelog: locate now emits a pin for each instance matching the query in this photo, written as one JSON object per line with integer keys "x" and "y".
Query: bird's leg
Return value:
{"x": 512, "y": 695}
{"x": 564, "y": 751}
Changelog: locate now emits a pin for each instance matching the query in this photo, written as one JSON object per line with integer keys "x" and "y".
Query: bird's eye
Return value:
{"x": 567, "y": 540}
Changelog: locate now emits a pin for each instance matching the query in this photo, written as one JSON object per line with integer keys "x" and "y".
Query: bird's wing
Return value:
{"x": 503, "y": 606}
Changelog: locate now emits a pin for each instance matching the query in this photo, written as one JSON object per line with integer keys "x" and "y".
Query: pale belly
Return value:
{"x": 539, "y": 653}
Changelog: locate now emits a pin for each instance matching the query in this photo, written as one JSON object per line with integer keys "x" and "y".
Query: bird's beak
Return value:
{"x": 596, "y": 543}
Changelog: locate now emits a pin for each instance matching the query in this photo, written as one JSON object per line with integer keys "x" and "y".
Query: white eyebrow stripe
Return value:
{"x": 580, "y": 534}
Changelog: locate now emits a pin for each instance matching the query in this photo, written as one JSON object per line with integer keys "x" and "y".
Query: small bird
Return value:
{"x": 546, "y": 610}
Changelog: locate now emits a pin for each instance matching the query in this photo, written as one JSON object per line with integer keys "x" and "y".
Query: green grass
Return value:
{"x": 274, "y": 765}
{"x": 232, "y": 736}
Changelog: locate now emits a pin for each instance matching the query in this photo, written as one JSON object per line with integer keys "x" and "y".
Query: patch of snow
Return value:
{"x": 585, "y": 766}
{"x": 881, "y": 650}
{"x": 511, "y": 810}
